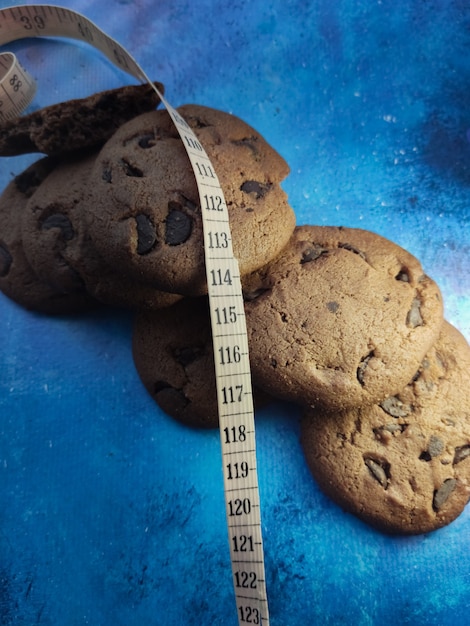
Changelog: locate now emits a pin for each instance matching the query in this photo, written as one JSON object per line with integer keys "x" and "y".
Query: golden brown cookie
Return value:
{"x": 145, "y": 218}
{"x": 402, "y": 465}
{"x": 341, "y": 318}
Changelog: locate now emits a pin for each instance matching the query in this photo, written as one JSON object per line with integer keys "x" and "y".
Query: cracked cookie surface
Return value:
{"x": 402, "y": 465}
{"x": 76, "y": 124}
{"x": 340, "y": 318}
{"x": 146, "y": 215}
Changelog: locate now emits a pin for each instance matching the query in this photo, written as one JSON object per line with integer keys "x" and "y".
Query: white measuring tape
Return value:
{"x": 232, "y": 365}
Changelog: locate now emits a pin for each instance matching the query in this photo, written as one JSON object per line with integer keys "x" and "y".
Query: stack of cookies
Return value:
{"x": 341, "y": 321}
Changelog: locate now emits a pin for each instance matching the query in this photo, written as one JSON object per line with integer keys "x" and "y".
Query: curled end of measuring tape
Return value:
{"x": 76, "y": 124}
{"x": 17, "y": 87}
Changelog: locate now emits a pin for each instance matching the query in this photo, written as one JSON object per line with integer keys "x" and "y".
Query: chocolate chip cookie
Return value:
{"x": 173, "y": 354}
{"x": 76, "y": 124}
{"x": 145, "y": 218}
{"x": 58, "y": 246}
{"x": 18, "y": 279}
{"x": 341, "y": 318}
{"x": 53, "y": 221}
{"x": 402, "y": 465}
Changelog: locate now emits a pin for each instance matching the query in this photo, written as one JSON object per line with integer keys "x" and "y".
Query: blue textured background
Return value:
{"x": 110, "y": 512}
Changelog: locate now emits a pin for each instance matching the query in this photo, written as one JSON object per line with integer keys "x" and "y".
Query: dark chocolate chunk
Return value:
{"x": 188, "y": 203}
{"x": 131, "y": 170}
{"x": 384, "y": 432}
{"x": 435, "y": 448}
{"x": 170, "y": 399}
{"x": 461, "y": 453}
{"x": 146, "y": 235}
{"x": 249, "y": 142}
{"x": 160, "y": 385}
{"x": 178, "y": 226}
{"x": 5, "y": 260}
{"x": 380, "y": 470}
{"x": 361, "y": 370}
{"x": 332, "y": 306}
{"x": 351, "y": 248}
{"x": 147, "y": 141}
{"x": 403, "y": 275}
{"x": 197, "y": 122}
{"x": 62, "y": 222}
{"x": 442, "y": 494}
{"x": 414, "y": 318}
{"x": 248, "y": 296}
{"x": 255, "y": 187}
{"x": 395, "y": 407}
{"x": 311, "y": 254}
{"x": 106, "y": 175}
{"x": 186, "y": 356}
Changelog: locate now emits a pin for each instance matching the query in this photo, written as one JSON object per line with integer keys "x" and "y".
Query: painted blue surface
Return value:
{"x": 110, "y": 512}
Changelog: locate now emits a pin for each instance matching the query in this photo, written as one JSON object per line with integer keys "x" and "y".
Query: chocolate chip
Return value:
{"x": 442, "y": 494}
{"x": 350, "y": 248}
{"x": 178, "y": 227}
{"x": 146, "y": 235}
{"x": 332, "y": 306}
{"x": 461, "y": 453}
{"x": 251, "y": 144}
{"x": 197, "y": 122}
{"x": 395, "y": 407}
{"x": 170, "y": 398}
{"x": 106, "y": 175}
{"x": 379, "y": 469}
{"x": 403, "y": 275}
{"x": 255, "y": 187}
{"x": 249, "y": 296}
{"x": 131, "y": 170}
{"x": 62, "y": 222}
{"x": 186, "y": 356}
{"x": 161, "y": 384}
{"x": 312, "y": 253}
{"x": 361, "y": 370}
{"x": 147, "y": 141}
{"x": 435, "y": 448}
{"x": 247, "y": 141}
{"x": 414, "y": 319}
{"x": 188, "y": 204}
{"x": 383, "y": 432}
{"x": 5, "y": 260}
